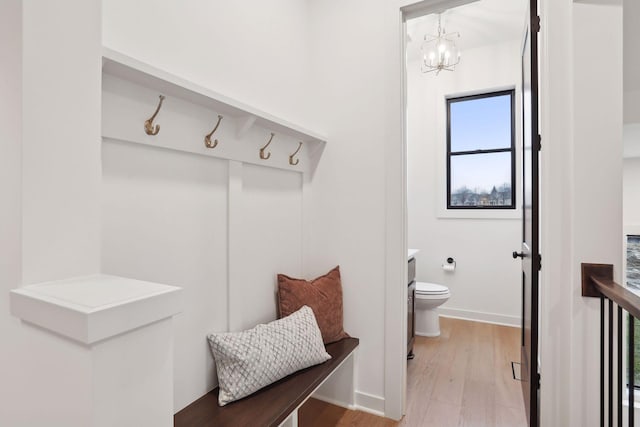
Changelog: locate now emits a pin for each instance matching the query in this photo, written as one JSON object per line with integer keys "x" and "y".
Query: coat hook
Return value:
{"x": 291, "y": 162}
{"x": 207, "y": 138}
{"x": 262, "y": 155}
{"x": 148, "y": 124}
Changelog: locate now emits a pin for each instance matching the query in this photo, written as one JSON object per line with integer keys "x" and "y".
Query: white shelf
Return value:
{"x": 93, "y": 308}
{"x": 127, "y": 70}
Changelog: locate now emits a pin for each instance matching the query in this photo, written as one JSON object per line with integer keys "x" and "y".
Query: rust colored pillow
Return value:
{"x": 323, "y": 295}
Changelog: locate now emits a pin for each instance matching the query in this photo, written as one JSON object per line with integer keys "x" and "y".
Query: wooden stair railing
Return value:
{"x": 597, "y": 281}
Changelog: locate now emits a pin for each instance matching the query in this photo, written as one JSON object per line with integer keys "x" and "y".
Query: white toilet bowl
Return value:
{"x": 429, "y": 296}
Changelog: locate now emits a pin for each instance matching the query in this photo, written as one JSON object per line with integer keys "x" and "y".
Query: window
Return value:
{"x": 481, "y": 151}
{"x": 633, "y": 282}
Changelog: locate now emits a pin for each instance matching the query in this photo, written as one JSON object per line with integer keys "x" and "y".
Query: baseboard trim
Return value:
{"x": 479, "y": 316}
{"x": 369, "y": 403}
{"x": 333, "y": 401}
{"x": 364, "y": 402}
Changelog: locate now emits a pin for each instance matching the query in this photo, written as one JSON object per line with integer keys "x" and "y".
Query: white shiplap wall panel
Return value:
{"x": 165, "y": 219}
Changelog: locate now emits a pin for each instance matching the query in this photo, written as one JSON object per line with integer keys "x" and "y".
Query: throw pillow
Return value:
{"x": 250, "y": 360}
{"x": 323, "y": 295}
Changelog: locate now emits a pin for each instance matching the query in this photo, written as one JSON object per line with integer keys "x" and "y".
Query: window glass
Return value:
{"x": 481, "y": 151}
{"x": 481, "y": 123}
{"x": 633, "y": 282}
{"x": 633, "y": 262}
{"x": 481, "y": 179}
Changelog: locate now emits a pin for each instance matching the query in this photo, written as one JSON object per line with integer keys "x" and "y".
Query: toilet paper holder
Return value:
{"x": 450, "y": 265}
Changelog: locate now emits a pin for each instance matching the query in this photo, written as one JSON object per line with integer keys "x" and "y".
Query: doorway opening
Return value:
{"x": 464, "y": 124}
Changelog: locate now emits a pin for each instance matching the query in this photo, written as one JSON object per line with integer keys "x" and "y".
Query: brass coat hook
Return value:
{"x": 291, "y": 162}
{"x": 207, "y": 138}
{"x": 148, "y": 124}
{"x": 262, "y": 155}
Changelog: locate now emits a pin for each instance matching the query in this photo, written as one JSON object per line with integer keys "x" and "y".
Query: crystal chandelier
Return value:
{"x": 439, "y": 52}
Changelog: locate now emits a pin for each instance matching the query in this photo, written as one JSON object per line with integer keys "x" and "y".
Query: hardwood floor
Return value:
{"x": 462, "y": 378}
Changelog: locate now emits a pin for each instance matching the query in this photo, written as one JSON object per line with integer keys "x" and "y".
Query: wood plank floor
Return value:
{"x": 462, "y": 378}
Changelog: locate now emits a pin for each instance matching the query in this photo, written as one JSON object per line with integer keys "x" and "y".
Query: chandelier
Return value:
{"x": 439, "y": 52}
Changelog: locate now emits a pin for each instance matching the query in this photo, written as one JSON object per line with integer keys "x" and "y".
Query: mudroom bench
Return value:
{"x": 277, "y": 404}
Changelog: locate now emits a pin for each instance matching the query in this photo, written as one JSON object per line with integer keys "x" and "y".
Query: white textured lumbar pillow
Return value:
{"x": 249, "y": 360}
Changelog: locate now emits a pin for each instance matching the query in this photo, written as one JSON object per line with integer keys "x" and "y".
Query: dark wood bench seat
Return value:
{"x": 270, "y": 406}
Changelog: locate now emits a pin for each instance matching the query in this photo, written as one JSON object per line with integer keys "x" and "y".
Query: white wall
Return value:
{"x": 10, "y": 194}
{"x": 356, "y": 75}
{"x": 632, "y": 106}
{"x": 631, "y": 61}
{"x": 631, "y": 137}
{"x": 61, "y": 173}
{"x": 271, "y": 239}
{"x": 51, "y": 171}
{"x": 597, "y": 175}
{"x": 631, "y": 130}
{"x": 581, "y": 161}
{"x": 164, "y": 220}
{"x": 219, "y": 229}
{"x": 253, "y": 51}
{"x": 485, "y": 285}
{"x": 631, "y": 193}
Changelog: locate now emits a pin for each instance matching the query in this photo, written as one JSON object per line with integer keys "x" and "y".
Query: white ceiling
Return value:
{"x": 481, "y": 23}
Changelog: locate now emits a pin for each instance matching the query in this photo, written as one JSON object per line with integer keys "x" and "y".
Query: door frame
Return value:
{"x": 395, "y": 364}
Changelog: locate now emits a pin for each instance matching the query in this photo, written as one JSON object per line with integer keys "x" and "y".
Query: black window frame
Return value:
{"x": 512, "y": 149}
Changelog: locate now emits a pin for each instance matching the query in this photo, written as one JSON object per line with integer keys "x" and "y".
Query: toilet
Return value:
{"x": 429, "y": 296}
